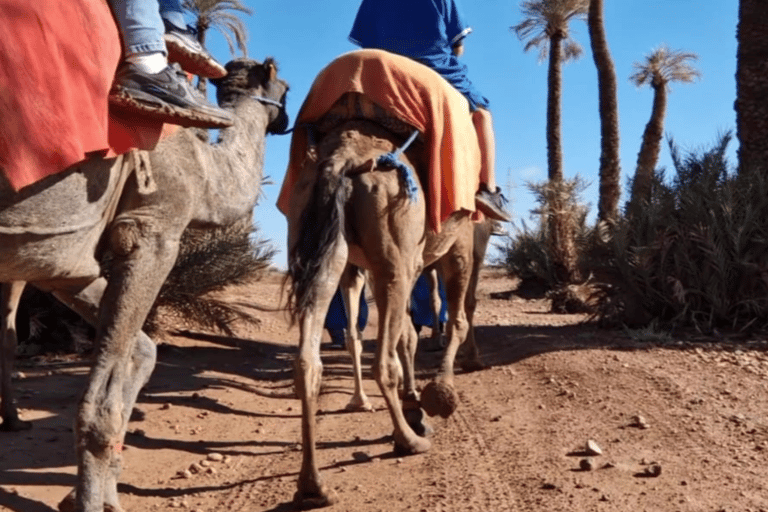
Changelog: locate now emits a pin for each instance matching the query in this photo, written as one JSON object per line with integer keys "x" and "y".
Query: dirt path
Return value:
{"x": 682, "y": 426}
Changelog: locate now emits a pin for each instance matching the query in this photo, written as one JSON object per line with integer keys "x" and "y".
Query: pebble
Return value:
{"x": 216, "y": 457}
{"x": 640, "y": 422}
{"x": 587, "y": 464}
{"x": 653, "y": 470}
{"x": 592, "y": 448}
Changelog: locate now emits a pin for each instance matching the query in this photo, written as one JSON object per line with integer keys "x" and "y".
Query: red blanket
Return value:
{"x": 57, "y": 62}
{"x": 415, "y": 94}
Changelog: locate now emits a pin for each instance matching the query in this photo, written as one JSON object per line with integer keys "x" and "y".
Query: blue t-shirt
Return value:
{"x": 424, "y": 30}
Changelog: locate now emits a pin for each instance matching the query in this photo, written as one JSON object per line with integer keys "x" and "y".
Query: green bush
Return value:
{"x": 697, "y": 253}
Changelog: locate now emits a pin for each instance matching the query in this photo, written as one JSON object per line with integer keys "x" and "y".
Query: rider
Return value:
{"x": 154, "y": 32}
{"x": 432, "y": 32}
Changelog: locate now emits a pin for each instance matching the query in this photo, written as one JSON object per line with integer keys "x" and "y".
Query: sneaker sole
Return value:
{"x": 490, "y": 211}
{"x": 136, "y": 102}
{"x": 191, "y": 61}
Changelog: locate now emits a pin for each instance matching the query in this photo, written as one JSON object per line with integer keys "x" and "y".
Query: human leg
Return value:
{"x": 144, "y": 84}
{"x": 489, "y": 199}
{"x": 182, "y": 44}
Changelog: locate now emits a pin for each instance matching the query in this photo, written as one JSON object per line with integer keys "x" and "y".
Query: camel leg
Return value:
{"x": 11, "y": 295}
{"x": 392, "y": 292}
{"x": 122, "y": 359}
{"x": 312, "y": 493}
{"x": 438, "y": 336}
{"x": 482, "y": 233}
{"x": 86, "y": 302}
{"x": 406, "y": 349}
{"x": 439, "y": 396}
{"x": 352, "y": 286}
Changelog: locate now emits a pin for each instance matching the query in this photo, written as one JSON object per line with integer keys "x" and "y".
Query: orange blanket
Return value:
{"x": 415, "y": 94}
{"x": 57, "y": 62}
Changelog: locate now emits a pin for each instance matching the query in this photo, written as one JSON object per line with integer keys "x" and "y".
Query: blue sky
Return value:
{"x": 305, "y": 35}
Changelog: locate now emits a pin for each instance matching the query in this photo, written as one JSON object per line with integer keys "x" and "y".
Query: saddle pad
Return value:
{"x": 57, "y": 62}
{"x": 419, "y": 97}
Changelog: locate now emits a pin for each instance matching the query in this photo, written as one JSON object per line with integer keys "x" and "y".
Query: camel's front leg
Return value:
{"x": 392, "y": 292}
{"x": 143, "y": 261}
{"x": 439, "y": 396}
{"x": 312, "y": 493}
{"x": 352, "y": 287}
{"x": 11, "y": 295}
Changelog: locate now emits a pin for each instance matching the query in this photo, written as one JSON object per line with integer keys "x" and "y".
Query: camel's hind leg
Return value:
{"x": 392, "y": 289}
{"x": 352, "y": 282}
{"x": 11, "y": 295}
{"x": 312, "y": 493}
{"x": 470, "y": 354}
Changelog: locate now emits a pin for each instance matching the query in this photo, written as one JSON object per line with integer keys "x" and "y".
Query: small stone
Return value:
{"x": 215, "y": 457}
{"x": 587, "y": 464}
{"x": 185, "y": 474}
{"x": 640, "y": 422}
{"x": 592, "y": 448}
{"x": 165, "y": 406}
{"x": 211, "y": 471}
{"x": 205, "y": 463}
{"x": 195, "y": 468}
{"x": 653, "y": 470}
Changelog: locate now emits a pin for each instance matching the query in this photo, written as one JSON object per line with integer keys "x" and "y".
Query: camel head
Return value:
{"x": 256, "y": 80}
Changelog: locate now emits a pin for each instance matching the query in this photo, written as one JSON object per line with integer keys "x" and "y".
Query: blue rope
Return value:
{"x": 406, "y": 173}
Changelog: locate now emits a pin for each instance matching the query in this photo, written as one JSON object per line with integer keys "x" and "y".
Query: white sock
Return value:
{"x": 151, "y": 63}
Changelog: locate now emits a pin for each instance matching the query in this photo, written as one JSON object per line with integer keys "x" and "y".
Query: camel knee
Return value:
{"x": 99, "y": 428}
{"x": 124, "y": 237}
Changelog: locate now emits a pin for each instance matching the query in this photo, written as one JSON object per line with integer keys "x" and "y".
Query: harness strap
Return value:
{"x": 406, "y": 173}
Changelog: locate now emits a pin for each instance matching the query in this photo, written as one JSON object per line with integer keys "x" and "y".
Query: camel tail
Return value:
{"x": 321, "y": 226}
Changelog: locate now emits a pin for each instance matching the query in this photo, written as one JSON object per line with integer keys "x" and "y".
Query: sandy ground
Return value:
{"x": 681, "y": 424}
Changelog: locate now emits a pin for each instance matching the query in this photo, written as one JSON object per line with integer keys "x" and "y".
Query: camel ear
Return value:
{"x": 271, "y": 71}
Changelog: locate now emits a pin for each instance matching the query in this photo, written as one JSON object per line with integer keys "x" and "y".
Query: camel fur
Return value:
{"x": 54, "y": 233}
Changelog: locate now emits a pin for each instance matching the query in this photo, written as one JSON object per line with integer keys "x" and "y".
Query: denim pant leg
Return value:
{"x": 172, "y": 12}
{"x": 140, "y": 24}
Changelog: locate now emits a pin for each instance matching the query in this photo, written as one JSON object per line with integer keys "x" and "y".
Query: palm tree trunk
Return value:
{"x": 610, "y": 168}
{"x": 561, "y": 229}
{"x": 650, "y": 148}
{"x": 202, "y": 82}
{"x": 752, "y": 86}
{"x": 554, "y": 85}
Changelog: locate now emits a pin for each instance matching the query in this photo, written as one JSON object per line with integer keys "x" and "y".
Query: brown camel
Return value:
{"x": 53, "y": 234}
{"x": 348, "y": 211}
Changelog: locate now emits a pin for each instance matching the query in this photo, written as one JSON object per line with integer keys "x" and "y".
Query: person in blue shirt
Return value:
{"x": 432, "y": 32}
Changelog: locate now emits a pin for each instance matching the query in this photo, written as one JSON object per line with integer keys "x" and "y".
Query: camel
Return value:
{"x": 348, "y": 211}
{"x": 53, "y": 234}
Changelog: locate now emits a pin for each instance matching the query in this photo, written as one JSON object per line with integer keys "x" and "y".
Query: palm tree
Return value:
{"x": 751, "y": 85}
{"x": 545, "y": 26}
{"x": 610, "y": 168}
{"x": 216, "y": 14}
{"x": 661, "y": 67}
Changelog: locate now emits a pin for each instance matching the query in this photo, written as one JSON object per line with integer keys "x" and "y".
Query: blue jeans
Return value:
{"x": 141, "y": 23}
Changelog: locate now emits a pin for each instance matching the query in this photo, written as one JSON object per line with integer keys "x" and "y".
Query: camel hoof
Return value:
{"x": 309, "y": 501}
{"x": 415, "y": 420}
{"x": 14, "y": 425}
{"x": 439, "y": 398}
{"x": 68, "y": 504}
{"x": 357, "y": 404}
{"x": 412, "y": 447}
{"x": 472, "y": 365}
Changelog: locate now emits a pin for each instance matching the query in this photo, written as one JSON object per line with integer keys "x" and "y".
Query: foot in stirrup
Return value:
{"x": 492, "y": 203}
{"x": 189, "y": 53}
{"x": 166, "y": 96}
